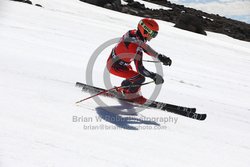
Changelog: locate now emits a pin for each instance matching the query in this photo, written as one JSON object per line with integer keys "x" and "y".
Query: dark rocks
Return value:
{"x": 116, "y": 5}
{"x": 136, "y": 5}
{"x": 38, "y": 5}
{"x": 28, "y": 2}
{"x": 193, "y": 20}
{"x": 129, "y": 1}
{"x": 210, "y": 22}
{"x": 109, "y": 4}
{"x": 96, "y": 2}
{"x": 191, "y": 23}
{"x": 24, "y": 1}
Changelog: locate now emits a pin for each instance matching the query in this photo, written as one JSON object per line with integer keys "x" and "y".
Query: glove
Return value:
{"x": 165, "y": 60}
{"x": 158, "y": 79}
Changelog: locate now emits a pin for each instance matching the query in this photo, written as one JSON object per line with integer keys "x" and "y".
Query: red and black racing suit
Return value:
{"x": 130, "y": 48}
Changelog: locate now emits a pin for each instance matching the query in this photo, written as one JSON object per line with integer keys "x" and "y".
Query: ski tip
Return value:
{"x": 196, "y": 116}
{"x": 78, "y": 84}
{"x": 203, "y": 117}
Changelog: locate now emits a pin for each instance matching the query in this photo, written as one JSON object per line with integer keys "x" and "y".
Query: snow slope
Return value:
{"x": 44, "y": 51}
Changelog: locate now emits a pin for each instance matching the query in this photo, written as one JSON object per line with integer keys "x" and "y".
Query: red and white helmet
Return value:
{"x": 148, "y": 28}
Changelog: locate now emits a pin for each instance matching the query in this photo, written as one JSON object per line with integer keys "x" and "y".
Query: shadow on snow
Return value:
{"x": 123, "y": 116}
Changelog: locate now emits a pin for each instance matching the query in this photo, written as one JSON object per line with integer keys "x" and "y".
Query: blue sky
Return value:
{"x": 235, "y": 9}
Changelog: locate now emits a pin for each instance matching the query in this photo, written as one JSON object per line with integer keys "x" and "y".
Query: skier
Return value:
{"x": 130, "y": 48}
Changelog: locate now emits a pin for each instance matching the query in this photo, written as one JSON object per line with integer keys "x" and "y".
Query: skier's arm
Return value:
{"x": 139, "y": 66}
{"x": 150, "y": 51}
{"x": 147, "y": 49}
{"x": 143, "y": 71}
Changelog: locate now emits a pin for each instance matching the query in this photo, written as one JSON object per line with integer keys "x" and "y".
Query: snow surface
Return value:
{"x": 44, "y": 51}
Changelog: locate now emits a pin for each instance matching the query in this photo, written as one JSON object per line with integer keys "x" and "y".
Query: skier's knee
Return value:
{"x": 126, "y": 83}
{"x": 140, "y": 80}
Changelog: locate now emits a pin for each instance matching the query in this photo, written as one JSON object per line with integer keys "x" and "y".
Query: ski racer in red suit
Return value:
{"x": 130, "y": 48}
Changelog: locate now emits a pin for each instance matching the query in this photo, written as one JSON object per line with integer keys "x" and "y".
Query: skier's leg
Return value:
{"x": 137, "y": 79}
{"x": 131, "y": 76}
{"x": 133, "y": 93}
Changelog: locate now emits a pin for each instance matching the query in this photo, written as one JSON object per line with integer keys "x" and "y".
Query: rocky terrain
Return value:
{"x": 183, "y": 17}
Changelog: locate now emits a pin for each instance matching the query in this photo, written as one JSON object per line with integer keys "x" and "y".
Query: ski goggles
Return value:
{"x": 152, "y": 33}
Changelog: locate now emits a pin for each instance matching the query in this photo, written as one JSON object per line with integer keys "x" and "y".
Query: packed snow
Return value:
{"x": 44, "y": 51}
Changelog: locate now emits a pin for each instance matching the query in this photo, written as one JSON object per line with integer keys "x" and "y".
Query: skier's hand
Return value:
{"x": 158, "y": 79}
{"x": 165, "y": 60}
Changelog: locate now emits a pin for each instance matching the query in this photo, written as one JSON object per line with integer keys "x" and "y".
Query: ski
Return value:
{"x": 155, "y": 104}
{"x": 184, "y": 111}
{"x": 180, "y": 110}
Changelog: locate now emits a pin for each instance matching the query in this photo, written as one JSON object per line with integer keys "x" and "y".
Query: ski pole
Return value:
{"x": 105, "y": 91}
{"x": 151, "y": 61}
